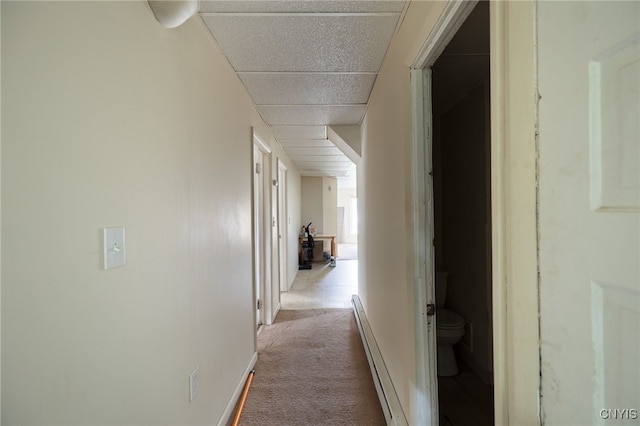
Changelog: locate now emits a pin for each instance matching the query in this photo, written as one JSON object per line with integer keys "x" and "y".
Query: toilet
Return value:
{"x": 449, "y": 329}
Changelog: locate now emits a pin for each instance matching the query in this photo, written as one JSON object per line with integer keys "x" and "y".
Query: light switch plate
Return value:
{"x": 114, "y": 248}
{"x": 194, "y": 384}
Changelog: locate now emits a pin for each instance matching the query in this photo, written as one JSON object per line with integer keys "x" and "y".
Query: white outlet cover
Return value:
{"x": 114, "y": 248}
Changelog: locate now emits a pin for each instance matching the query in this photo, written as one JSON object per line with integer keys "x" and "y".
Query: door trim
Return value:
{"x": 422, "y": 258}
{"x": 516, "y": 332}
{"x": 283, "y": 227}
{"x": 265, "y": 229}
{"x": 445, "y": 28}
{"x": 516, "y": 326}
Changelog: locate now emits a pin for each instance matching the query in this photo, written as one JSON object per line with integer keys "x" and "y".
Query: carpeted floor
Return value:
{"x": 312, "y": 370}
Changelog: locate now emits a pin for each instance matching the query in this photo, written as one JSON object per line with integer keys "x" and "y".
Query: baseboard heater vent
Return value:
{"x": 228, "y": 411}
{"x": 386, "y": 392}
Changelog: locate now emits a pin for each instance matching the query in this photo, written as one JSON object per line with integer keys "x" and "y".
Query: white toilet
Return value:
{"x": 449, "y": 329}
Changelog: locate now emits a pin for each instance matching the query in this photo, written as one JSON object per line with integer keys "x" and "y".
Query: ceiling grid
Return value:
{"x": 306, "y": 65}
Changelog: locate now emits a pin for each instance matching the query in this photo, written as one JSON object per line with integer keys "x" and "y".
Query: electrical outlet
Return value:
{"x": 194, "y": 384}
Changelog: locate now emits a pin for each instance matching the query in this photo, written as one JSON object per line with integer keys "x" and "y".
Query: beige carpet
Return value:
{"x": 312, "y": 370}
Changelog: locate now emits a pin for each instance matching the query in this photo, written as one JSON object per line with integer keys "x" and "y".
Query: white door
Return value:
{"x": 258, "y": 231}
{"x": 589, "y": 200}
{"x": 282, "y": 226}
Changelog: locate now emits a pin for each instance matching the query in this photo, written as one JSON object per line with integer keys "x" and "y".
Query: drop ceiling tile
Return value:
{"x": 316, "y": 166}
{"x": 299, "y": 132}
{"x": 325, "y": 173}
{"x": 323, "y": 163}
{"x": 304, "y": 143}
{"x": 314, "y": 151}
{"x": 324, "y": 169}
{"x": 341, "y": 164}
{"x": 311, "y": 114}
{"x": 324, "y": 6}
{"x": 308, "y": 88}
{"x": 331, "y": 43}
{"x": 328, "y": 160}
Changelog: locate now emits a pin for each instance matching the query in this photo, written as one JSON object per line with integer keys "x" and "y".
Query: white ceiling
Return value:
{"x": 307, "y": 65}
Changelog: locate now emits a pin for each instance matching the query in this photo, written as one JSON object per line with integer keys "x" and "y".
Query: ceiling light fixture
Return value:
{"x": 173, "y": 13}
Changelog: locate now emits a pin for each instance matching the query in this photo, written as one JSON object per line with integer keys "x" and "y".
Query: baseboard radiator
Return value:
{"x": 228, "y": 411}
{"x": 386, "y": 392}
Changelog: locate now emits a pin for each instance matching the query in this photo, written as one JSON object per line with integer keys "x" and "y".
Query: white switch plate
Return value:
{"x": 194, "y": 386}
{"x": 114, "y": 248}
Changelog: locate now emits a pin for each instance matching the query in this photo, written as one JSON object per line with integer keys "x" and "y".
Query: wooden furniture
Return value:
{"x": 334, "y": 251}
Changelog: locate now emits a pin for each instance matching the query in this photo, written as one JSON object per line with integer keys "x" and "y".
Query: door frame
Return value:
{"x": 423, "y": 259}
{"x": 283, "y": 225}
{"x": 422, "y": 253}
{"x": 516, "y": 350}
{"x": 262, "y": 231}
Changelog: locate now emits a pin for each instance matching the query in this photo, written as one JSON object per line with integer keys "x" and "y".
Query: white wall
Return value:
{"x": 329, "y": 206}
{"x": 344, "y": 200}
{"x": 320, "y": 206}
{"x": 385, "y": 286}
{"x": 312, "y": 202}
{"x": 111, "y": 120}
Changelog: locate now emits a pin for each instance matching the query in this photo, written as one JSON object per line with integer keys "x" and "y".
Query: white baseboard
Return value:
{"x": 228, "y": 411}
{"x": 381, "y": 378}
{"x": 275, "y": 312}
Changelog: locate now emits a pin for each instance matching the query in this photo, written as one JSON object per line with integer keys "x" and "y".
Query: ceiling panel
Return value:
{"x": 312, "y": 114}
{"x": 325, "y": 168}
{"x": 325, "y": 6}
{"x": 292, "y": 143}
{"x": 333, "y": 150}
{"x": 283, "y": 133}
{"x": 306, "y": 64}
{"x": 308, "y": 88}
{"x": 340, "y": 160}
{"x": 329, "y": 164}
{"x": 324, "y": 172}
{"x": 331, "y": 43}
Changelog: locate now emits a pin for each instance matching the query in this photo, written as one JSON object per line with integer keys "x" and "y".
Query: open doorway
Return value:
{"x": 450, "y": 219}
{"x": 327, "y": 284}
{"x": 460, "y": 113}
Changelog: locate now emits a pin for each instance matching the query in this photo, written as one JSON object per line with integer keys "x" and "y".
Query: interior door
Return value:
{"x": 282, "y": 225}
{"x": 258, "y": 231}
{"x": 589, "y": 200}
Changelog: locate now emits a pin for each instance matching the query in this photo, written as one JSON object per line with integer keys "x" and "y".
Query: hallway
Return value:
{"x": 325, "y": 286}
{"x": 312, "y": 367}
{"x": 312, "y": 370}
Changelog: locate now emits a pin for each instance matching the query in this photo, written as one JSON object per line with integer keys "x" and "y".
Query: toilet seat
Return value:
{"x": 447, "y": 320}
